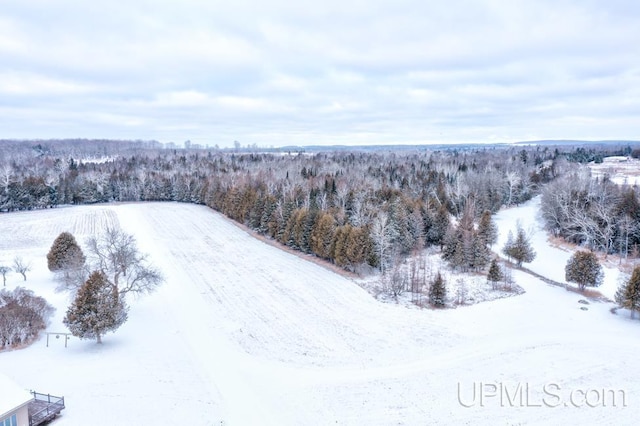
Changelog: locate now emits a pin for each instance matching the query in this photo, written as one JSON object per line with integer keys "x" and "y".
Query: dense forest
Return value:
{"x": 356, "y": 209}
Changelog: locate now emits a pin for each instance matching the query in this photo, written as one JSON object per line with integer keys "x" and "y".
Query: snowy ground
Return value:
{"x": 621, "y": 170}
{"x": 242, "y": 333}
{"x": 463, "y": 288}
{"x": 550, "y": 258}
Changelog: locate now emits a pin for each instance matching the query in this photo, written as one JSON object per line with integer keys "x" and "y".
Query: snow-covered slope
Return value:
{"x": 550, "y": 260}
{"x": 242, "y": 333}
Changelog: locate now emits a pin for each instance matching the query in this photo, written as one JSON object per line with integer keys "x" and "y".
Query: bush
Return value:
{"x": 22, "y": 316}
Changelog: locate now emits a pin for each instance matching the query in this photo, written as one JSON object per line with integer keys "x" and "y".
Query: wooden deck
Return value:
{"x": 44, "y": 408}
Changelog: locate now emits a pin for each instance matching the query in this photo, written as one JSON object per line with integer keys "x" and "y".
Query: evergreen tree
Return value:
{"x": 322, "y": 235}
{"x": 467, "y": 236}
{"x": 480, "y": 253}
{"x": 495, "y": 274}
{"x": 282, "y": 222}
{"x": 584, "y": 269}
{"x": 357, "y": 246}
{"x": 487, "y": 229}
{"x": 453, "y": 248}
{"x": 438, "y": 226}
{"x": 267, "y": 224}
{"x": 288, "y": 236}
{"x": 96, "y": 310}
{"x": 508, "y": 245}
{"x": 399, "y": 220}
{"x": 65, "y": 253}
{"x": 519, "y": 249}
{"x": 463, "y": 247}
{"x": 308, "y": 220}
{"x": 438, "y": 292}
{"x": 628, "y": 296}
{"x": 256, "y": 212}
{"x": 339, "y": 245}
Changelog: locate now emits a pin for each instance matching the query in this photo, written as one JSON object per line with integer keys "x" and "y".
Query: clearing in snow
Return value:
{"x": 242, "y": 333}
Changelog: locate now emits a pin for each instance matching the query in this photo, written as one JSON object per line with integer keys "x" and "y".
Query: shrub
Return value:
{"x": 22, "y": 316}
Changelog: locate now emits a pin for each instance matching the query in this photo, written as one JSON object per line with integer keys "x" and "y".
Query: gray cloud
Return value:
{"x": 281, "y": 72}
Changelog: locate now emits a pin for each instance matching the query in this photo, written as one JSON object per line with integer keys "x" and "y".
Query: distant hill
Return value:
{"x": 570, "y": 142}
{"x": 373, "y": 148}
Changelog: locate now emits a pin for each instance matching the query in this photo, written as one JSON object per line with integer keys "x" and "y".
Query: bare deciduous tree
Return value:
{"x": 6, "y": 176}
{"x": 382, "y": 234}
{"x": 513, "y": 180}
{"x": 116, "y": 255}
{"x": 4, "y": 270}
{"x": 507, "y": 279}
{"x": 461, "y": 291}
{"x": 398, "y": 280}
{"x": 21, "y": 267}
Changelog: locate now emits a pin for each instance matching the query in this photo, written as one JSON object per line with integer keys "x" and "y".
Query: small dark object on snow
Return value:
{"x": 584, "y": 308}
{"x": 584, "y": 302}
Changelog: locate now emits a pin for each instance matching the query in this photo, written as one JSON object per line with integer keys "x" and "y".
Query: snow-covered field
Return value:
{"x": 242, "y": 333}
{"x": 621, "y": 170}
{"x": 550, "y": 260}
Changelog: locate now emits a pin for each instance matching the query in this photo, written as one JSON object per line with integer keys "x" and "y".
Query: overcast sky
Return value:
{"x": 279, "y": 72}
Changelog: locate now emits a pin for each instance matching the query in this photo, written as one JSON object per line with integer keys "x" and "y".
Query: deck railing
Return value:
{"x": 44, "y": 407}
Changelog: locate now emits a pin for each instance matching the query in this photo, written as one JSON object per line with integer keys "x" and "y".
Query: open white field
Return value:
{"x": 242, "y": 333}
{"x": 621, "y": 170}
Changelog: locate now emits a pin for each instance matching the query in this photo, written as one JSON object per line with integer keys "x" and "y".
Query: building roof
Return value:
{"x": 12, "y": 396}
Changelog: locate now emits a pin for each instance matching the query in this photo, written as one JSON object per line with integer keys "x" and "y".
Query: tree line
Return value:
{"x": 352, "y": 208}
{"x": 595, "y": 213}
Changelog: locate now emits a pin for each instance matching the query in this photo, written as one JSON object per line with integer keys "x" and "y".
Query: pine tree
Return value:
{"x": 519, "y": 249}
{"x": 508, "y": 245}
{"x": 453, "y": 248}
{"x": 464, "y": 249}
{"x": 438, "y": 292}
{"x": 339, "y": 245}
{"x": 584, "y": 269}
{"x": 96, "y": 310}
{"x": 268, "y": 222}
{"x": 256, "y": 212}
{"x": 399, "y": 220}
{"x": 322, "y": 235}
{"x": 307, "y": 227}
{"x": 287, "y": 237}
{"x": 480, "y": 253}
{"x": 438, "y": 226}
{"x": 65, "y": 253}
{"x": 487, "y": 229}
{"x": 495, "y": 274}
{"x": 356, "y": 249}
{"x": 628, "y": 296}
